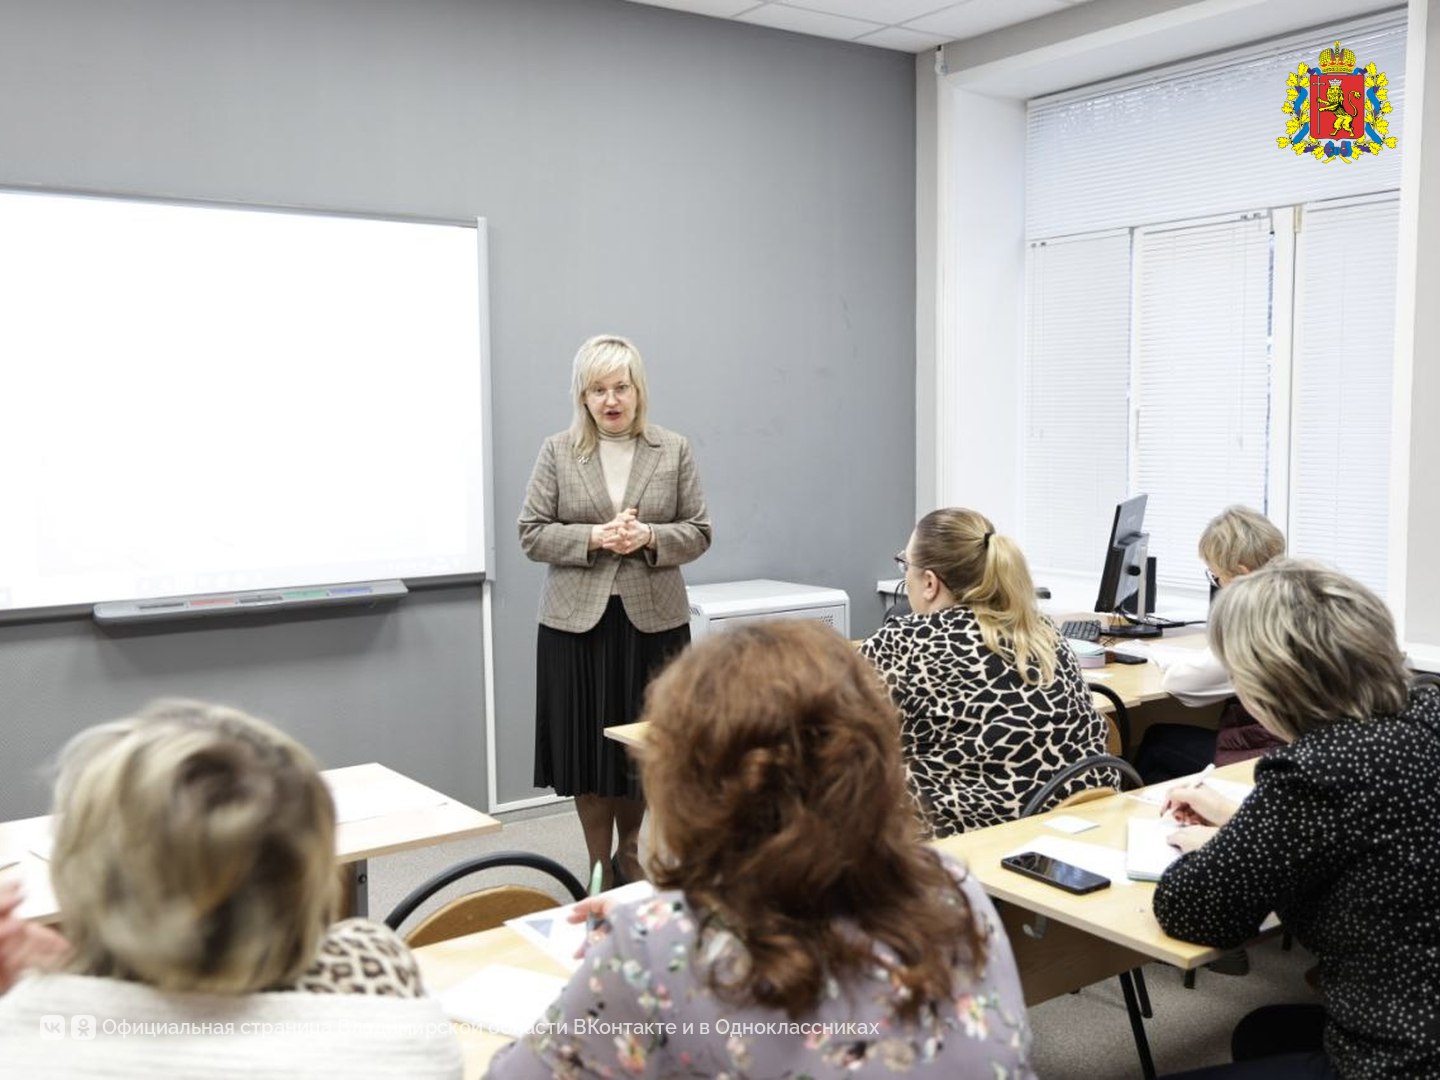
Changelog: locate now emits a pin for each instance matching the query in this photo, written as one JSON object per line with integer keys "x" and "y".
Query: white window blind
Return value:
{"x": 1198, "y": 139}
{"x": 1178, "y": 161}
{"x": 1201, "y": 380}
{"x": 1076, "y": 397}
{"x": 1344, "y": 350}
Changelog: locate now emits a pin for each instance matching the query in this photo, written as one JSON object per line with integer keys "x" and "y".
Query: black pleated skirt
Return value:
{"x": 585, "y": 683}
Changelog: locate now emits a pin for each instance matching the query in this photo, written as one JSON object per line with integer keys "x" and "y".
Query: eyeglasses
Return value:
{"x": 1210, "y": 577}
{"x": 902, "y": 562}
{"x": 600, "y": 393}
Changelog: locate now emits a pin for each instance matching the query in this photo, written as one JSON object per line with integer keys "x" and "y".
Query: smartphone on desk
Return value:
{"x": 1052, "y": 871}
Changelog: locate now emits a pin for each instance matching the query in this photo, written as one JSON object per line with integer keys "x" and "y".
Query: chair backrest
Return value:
{"x": 1119, "y": 742}
{"x": 473, "y": 912}
{"x": 487, "y": 908}
{"x": 1424, "y": 678}
{"x": 1129, "y": 778}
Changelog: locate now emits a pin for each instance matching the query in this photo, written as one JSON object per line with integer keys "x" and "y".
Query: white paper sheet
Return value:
{"x": 553, "y": 932}
{"x": 500, "y": 998}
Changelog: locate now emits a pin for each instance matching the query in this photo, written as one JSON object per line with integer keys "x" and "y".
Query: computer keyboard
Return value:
{"x": 1081, "y": 629}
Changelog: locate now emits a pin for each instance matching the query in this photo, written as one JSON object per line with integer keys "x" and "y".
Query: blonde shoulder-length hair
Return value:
{"x": 1307, "y": 646}
{"x": 194, "y": 851}
{"x": 599, "y": 357}
{"x": 988, "y": 573}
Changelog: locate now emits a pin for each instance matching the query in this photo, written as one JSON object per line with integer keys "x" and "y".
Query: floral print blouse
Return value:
{"x": 639, "y": 1005}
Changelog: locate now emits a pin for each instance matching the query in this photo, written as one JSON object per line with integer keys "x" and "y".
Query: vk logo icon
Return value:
{"x": 52, "y": 1026}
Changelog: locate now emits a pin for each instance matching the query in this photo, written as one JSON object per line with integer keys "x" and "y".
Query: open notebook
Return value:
{"x": 1147, "y": 847}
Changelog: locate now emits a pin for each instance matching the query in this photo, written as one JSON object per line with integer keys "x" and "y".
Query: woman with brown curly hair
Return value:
{"x": 802, "y": 927}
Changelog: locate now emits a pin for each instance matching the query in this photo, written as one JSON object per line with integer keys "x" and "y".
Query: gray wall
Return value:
{"x": 739, "y": 200}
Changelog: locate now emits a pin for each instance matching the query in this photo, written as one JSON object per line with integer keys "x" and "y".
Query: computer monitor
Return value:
{"x": 1123, "y": 582}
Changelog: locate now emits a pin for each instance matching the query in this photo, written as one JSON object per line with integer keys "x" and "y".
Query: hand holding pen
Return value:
{"x": 1198, "y": 804}
{"x": 593, "y": 910}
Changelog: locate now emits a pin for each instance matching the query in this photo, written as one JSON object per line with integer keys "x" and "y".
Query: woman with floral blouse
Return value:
{"x": 801, "y": 928}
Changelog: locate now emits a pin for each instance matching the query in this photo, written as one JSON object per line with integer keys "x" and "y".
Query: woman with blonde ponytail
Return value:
{"x": 991, "y": 699}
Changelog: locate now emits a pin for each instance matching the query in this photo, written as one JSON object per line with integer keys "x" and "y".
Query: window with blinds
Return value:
{"x": 1344, "y": 342}
{"x": 1201, "y": 381}
{"x": 1203, "y": 362}
{"x": 1076, "y": 396}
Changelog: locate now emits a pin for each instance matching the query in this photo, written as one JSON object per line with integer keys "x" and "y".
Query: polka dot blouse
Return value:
{"x": 1341, "y": 837}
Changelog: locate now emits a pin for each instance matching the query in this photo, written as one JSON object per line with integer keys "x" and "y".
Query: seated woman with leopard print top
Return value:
{"x": 194, "y": 867}
{"x": 991, "y": 700}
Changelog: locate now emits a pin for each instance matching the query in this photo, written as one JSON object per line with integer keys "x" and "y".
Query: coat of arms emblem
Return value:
{"x": 1337, "y": 111}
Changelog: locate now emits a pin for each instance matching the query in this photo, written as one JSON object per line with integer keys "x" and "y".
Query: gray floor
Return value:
{"x": 1084, "y": 1036}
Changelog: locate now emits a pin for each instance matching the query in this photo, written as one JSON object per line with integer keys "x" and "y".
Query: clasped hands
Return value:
{"x": 622, "y": 534}
{"x": 1199, "y": 810}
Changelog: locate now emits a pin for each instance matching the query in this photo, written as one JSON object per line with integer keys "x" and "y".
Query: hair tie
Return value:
{"x": 986, "y": 540}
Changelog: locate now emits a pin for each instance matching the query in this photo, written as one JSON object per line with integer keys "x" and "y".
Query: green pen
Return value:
{"x": 597, "y": 881}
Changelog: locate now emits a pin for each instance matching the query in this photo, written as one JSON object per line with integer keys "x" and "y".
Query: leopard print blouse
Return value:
{"x": 978, "y": 740}
{"x": 358, "y": 956}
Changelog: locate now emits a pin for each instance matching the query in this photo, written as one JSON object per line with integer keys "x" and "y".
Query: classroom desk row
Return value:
{"x": 378, "y": 811}
{"x": 1062, "y": 942}
{"x": 1136, "y": 684}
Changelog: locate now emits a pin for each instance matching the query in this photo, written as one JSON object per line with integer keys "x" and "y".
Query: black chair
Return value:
{"x": 1132, "y": 982}
{"x": 1121, "y": 716}
{"x": 487, "y": 908}
{"x": 1424, "y": 678}
{"x": 1129, "y": 779}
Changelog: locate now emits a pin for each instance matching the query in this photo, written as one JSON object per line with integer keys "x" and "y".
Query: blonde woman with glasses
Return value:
{"x": 1237, "y": 541}
{"x": 991, "y": 699}
{"x": 1340, "y": 836}
{"x": 614, "y": 509}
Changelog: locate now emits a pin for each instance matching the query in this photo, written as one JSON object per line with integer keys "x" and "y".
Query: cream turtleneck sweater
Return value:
{"x": 617, "y": 455}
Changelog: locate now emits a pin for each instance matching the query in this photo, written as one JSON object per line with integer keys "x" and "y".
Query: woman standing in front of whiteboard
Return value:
{"x": 614, "y": 507}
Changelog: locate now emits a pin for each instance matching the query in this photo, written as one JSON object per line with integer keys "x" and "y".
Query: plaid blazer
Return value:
{"x": 567, "y": 496}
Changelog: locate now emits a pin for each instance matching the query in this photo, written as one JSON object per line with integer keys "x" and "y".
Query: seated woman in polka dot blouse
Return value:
{"x": 1340, "y": 837}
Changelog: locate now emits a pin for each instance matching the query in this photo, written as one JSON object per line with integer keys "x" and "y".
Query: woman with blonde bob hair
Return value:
{"x": 194, "y": 868}
{"x": 1339, "y": 838}
{"x": 614, "y": 507}
{"x": 803, "y": 928}
{"x": 991, "y": 699}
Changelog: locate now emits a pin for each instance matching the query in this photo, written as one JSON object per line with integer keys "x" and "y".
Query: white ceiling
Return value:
{"x": 907, "y": 25}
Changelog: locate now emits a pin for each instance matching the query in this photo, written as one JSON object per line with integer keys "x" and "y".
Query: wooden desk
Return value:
{"x": 1140, "y": 683}
{"x": 628, "y": 734}
{"x": 1085, "y": 938}
{"x": 446, "y": 963}
{"x": 381, "y": 811}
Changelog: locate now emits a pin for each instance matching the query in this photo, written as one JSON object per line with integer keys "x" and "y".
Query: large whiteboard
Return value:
{"x": 202, "y": 399}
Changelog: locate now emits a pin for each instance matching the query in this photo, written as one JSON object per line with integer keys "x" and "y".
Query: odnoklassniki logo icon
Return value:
{"x": 1337, "y": 111}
